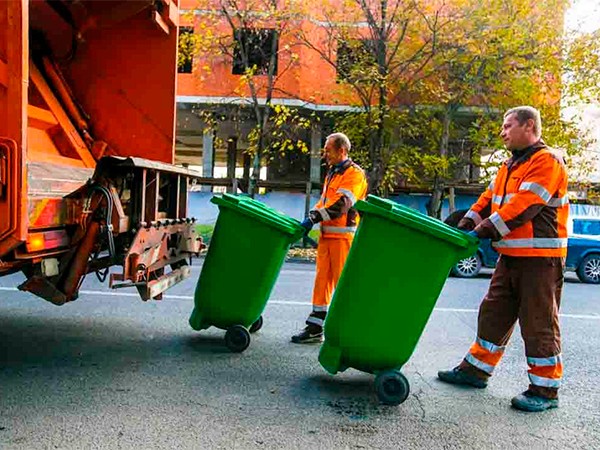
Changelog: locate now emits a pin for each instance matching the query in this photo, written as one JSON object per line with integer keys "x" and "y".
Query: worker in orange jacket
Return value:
{"x": 345, "y": 184}
{"x": 524, "y": 211}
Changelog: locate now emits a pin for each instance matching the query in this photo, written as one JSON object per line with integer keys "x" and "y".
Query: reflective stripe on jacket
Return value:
{"x": 526, "y": 208}
{"x": 344, "y": 186}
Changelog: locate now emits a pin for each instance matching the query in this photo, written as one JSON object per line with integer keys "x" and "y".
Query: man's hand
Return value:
{"x": 466, "y": 224}
{"x": 307, "y": 224}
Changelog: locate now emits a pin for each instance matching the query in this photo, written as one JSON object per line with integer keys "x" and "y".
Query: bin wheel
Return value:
{"x": 392, "y": 387}
{"x": 256, "y": 325}
{"x": 237, "y": 338}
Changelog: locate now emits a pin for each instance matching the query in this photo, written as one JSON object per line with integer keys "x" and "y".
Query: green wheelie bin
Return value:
{"x": 394, "y": 273}
{"x": 246, "y": 252}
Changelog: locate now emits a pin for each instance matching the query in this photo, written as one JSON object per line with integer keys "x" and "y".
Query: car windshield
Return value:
{"x": 588, "y": 227}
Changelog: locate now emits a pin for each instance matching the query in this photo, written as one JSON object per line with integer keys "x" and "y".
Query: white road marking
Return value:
{"x": 292, "y": 303}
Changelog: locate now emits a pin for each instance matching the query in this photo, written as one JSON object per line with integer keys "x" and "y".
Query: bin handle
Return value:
{"x": 381, "y": 202}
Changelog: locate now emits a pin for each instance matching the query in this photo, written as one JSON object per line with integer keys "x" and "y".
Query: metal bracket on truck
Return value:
{"x": 131, "y": 213}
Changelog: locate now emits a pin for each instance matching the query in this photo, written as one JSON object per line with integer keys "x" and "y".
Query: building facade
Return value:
{"x": 215, "y": 101}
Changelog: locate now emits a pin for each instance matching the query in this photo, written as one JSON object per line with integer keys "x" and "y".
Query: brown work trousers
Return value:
{"x": 527, "y": 289}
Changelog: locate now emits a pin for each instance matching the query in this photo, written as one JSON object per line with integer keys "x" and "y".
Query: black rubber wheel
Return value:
{"x": 589, "y": 269}
{"x": 237, "y": 338}
{"x": 392, "y": 387}
{"x": 256, "y": 325}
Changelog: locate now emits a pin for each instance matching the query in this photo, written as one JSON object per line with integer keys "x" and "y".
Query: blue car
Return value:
{"x": 583, "y": 252}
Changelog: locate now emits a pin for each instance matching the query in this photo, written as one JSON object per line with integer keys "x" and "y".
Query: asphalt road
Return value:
{"x": 109, "y": 371}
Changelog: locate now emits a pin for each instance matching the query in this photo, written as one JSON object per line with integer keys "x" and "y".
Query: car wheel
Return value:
{"x": 468, "y": 267}
{"x": 589, "y": 269}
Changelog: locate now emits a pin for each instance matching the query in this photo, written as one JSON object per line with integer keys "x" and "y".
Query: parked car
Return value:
{"x": 583, "y": 252}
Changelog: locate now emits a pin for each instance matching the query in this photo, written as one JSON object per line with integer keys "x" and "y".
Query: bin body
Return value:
{"x": 247, "y": 249}
{"x": 394, "y": 273}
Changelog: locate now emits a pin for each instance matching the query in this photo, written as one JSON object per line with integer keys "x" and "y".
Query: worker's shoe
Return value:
{"x": 310, "y": 335}
{"x": 533, "y": 403}
{"x": 459, "y": 376}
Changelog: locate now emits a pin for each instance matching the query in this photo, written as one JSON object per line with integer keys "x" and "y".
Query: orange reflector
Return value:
{"x": 36, "y": 243}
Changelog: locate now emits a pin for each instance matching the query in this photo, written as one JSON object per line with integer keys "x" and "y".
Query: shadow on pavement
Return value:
{"x": 208, "y": 344}
{"x": 333, "y": 388}
{"x": 73, "y": 343}
{"x": 350, "y": 395}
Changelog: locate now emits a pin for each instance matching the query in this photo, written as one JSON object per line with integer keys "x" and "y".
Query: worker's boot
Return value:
{"x": 310, "y": 335}
{"x": 462, "y": 377}
{"x": 528, "y": 401}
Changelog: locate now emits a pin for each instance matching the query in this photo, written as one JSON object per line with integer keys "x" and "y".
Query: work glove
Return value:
{"x": 307, "y": 224}
{"x": 473, "y": 233}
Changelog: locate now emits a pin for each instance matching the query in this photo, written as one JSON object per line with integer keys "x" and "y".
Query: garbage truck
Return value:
{"x": 87, "y": 121}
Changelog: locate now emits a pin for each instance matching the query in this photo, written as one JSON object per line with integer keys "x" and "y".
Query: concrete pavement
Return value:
{"x": 110, "y": 371}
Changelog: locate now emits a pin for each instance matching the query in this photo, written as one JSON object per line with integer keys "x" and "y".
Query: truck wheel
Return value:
{"x": 589, "y": 269}
{"x": 392, "y": 387}
{"x": 237, "y": 338}
{"x": 256, "y": 325}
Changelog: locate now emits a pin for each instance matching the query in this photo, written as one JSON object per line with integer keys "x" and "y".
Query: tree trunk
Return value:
{"x": 378, "y": 162}
{"x": 434, "y": 208}
{"x": 255, "y": 175}
{"x": 378, "y": 140}
{"x": 376, "y": 175}
{"x": 253, "y": 183}
{"x": 377, "y": 171}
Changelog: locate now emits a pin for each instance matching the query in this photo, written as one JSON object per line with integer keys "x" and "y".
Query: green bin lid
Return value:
{"x": 257, "y": 204}
{"x": 409, "y": 217}
{"x": 261, "y": 212}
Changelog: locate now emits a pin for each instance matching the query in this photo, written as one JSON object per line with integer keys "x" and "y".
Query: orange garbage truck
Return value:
{"x": 87, "y": 121}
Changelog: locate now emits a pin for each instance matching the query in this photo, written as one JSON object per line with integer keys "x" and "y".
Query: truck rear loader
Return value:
{"x": 87, "y": 120}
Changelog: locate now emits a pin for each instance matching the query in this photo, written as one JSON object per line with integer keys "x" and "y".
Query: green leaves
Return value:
{"x": 282, "y": 132}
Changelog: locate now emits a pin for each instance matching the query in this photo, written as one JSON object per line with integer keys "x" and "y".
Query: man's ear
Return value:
{"x": 530, "y": 124}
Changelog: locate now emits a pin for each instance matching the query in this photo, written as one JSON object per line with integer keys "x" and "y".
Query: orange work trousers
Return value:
{"x": 331, "y": 257}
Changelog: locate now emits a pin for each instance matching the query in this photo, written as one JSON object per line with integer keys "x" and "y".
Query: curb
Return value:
{"x": 299, "y": 261}
{"x": 287, "y": 260}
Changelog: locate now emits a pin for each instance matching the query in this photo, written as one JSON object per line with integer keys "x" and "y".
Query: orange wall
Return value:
{"x": 298, "y": 81}
{"x": 311, "y": 79}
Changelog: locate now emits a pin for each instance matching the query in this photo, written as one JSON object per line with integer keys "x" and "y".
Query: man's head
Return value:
{"x": 522, "y": 127}
{"x": 336, "y": 148}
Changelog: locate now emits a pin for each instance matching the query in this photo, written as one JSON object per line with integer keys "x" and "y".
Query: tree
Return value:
{"x": 380, "y": 50}
{"x": 427, "y": 75}
{"x": 487, "y": 47}
{"x": 254, "y": 37}
{"x": 497, "y": 54}
{"x": 581, "y": 75}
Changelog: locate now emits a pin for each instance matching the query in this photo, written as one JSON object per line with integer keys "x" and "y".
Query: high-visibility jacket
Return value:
{"x": 345, "y": 184}
{"x": 526, "y": 208}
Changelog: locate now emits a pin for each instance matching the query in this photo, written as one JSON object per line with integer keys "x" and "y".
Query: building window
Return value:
{"x": 254, "y": 47}
{"x": 185, "y": 58}
{"x": 355, "y": 59}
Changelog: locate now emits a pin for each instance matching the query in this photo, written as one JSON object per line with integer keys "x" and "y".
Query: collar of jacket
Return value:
{"x": 340, "y": 167}
{"x": 520, "y": 156}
